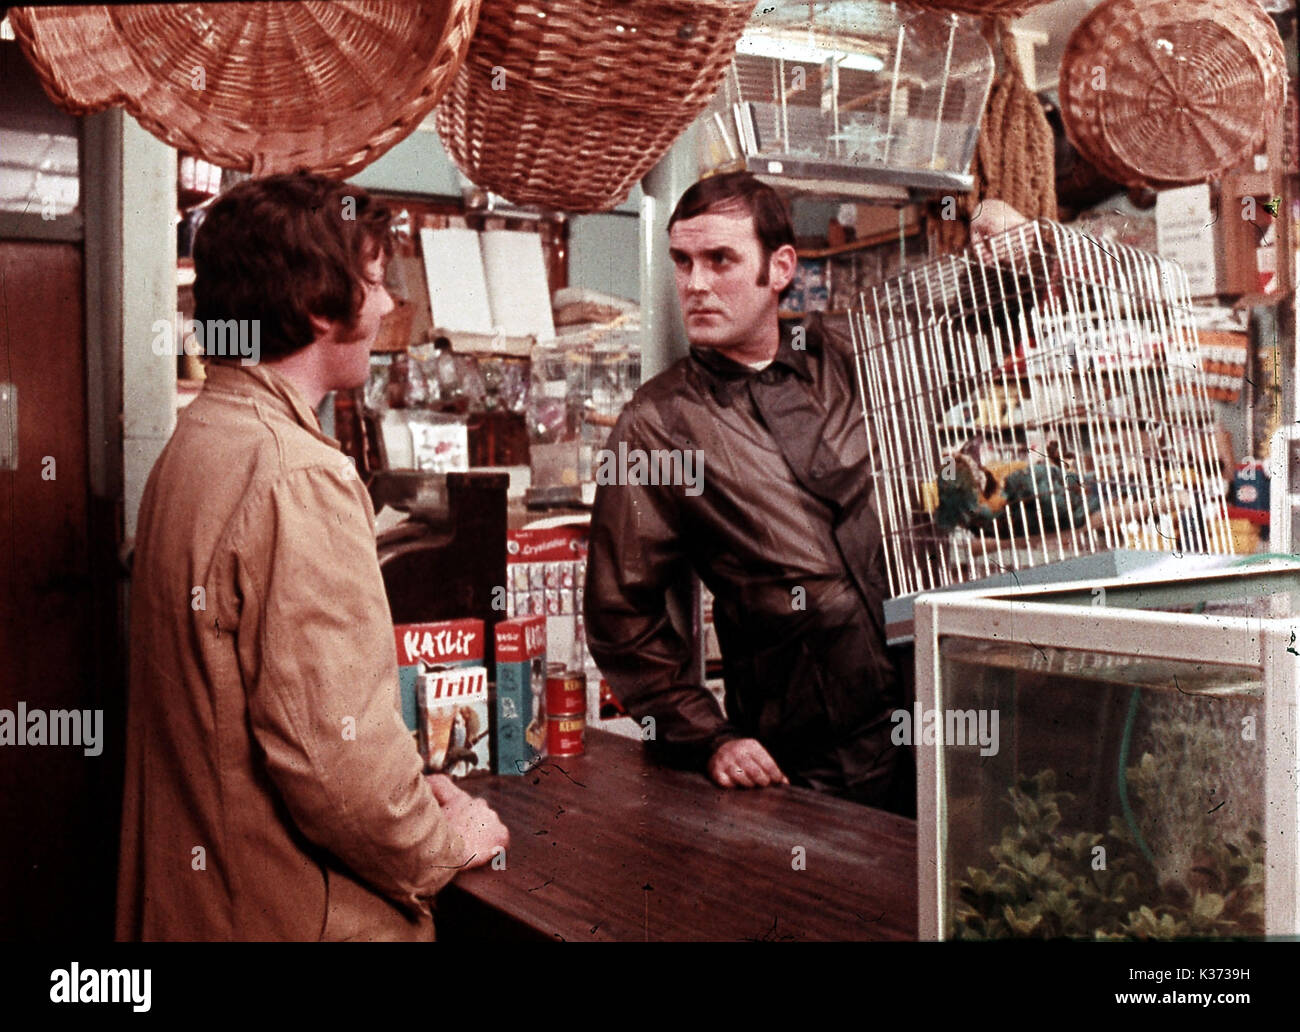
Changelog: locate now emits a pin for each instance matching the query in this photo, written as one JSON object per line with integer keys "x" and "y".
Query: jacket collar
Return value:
{"x": 263, "y": 385}
{"x": 725, "y": 376}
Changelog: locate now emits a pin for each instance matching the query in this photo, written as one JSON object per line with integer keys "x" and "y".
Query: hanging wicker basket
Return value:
{"x": 1164, "y": 92}
{"x": 1011, "y": 8}
{"x": 567, "y": 106}
{"x": 258, "y": 87}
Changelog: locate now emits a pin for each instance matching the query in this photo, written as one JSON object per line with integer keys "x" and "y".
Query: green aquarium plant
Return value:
{"x": 1047, "y": 882}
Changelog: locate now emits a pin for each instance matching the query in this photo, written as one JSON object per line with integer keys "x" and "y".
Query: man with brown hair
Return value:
{"x": 783, "y": 532}
{"x": 272, "y": 791}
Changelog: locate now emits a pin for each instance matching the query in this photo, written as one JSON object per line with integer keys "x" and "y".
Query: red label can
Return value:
{"x": 566, "y": 693}
{"x": 564, "y": 735}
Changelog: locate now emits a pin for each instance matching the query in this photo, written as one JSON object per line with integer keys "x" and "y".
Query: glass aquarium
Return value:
{"x": 1109, "y": 761}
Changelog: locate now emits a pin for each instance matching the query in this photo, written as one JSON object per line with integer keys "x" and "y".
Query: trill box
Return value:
{"x": 444, "y": 691}
{"x": 521, "y": 694}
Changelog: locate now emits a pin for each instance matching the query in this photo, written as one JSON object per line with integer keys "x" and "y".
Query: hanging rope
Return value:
{"x": 1019, "y": 155}
{"x": 1015, "y": 160}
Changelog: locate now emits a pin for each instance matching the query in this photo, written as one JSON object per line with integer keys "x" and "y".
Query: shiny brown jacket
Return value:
{"x": 272, "y": 791}
{"x": 784, "y": 534}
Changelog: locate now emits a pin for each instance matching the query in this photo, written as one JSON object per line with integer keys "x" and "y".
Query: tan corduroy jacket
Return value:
{"x": 272, "y": 790}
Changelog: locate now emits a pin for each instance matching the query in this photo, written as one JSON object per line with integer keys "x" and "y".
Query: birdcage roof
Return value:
{"x": 849, "y": 18}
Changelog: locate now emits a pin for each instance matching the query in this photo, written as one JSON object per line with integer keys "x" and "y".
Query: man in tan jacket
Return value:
{"x": 272, "y": 790}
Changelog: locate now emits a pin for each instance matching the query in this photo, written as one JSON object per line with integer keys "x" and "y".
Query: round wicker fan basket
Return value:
{"x": 567, "y": 106}
{"x": 258, "y": 87}
{"x": 1162, "y": 92}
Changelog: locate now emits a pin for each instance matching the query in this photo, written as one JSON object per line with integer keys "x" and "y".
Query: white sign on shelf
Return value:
{"x": 518, "y": 292}
{"x": 453, "y": 269}
{"x": 1185, "y": 221}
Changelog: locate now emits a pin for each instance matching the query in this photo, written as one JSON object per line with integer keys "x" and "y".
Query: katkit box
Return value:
{"x": 520, "y": 728}
{"x": 444, "y": 690}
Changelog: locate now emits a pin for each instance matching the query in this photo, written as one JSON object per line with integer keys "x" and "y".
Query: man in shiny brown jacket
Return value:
{"x": 272, "y": 790}
{"x": 777, "y": 521}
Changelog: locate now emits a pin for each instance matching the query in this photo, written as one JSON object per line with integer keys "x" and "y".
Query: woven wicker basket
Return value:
{"x": 983, "y": 7}
{"x": 1162, "y": 92}
{"x": 567, "y": 106}
{"x": 259, "y": 87}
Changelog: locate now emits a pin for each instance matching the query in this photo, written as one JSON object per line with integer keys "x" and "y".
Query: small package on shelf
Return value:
{"x": 520, "y": 694}
{"x": 440, "y": 442}
{"x": 444, "y": 696}
{"x": 545, "y": 569}
{"x": 816, "y": 284}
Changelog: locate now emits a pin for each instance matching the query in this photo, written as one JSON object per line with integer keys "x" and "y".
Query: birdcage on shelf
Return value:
{"x": 1035, "y": 402}
{"x": 870, "y": 96}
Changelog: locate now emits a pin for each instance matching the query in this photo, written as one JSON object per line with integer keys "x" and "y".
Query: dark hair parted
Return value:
{"x": 771, "y": 216}
{"x": 286, "y": 247}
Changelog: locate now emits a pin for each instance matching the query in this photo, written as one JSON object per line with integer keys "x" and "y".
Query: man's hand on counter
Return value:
{"x": 744, "y": 763}
{"x": 477, "y": 822}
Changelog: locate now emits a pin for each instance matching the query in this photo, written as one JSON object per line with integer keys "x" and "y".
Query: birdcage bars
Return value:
{"x": 1033, "y": 400}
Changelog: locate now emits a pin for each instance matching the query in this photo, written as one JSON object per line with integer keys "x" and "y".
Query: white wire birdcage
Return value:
{"x": 1032, "y": 400}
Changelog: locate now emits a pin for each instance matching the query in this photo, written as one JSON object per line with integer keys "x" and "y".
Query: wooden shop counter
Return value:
{"x": 609, "y": 846}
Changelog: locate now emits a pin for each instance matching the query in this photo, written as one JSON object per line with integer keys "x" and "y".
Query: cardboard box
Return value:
{"x": 545, "y": 572}
{"x": 520, "y": 706}
{"x": 444, "y": 694}
{"x": 1250, "y": 244}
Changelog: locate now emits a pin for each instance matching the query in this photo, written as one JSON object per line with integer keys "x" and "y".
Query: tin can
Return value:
{"x": 566, "y": 691}
{"x": 564, "y": 735}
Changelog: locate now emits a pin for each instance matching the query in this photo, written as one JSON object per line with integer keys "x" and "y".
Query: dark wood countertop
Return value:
{"x": 610, "y": 846}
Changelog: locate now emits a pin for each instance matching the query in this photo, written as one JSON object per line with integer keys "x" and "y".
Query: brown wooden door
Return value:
{"x": 58, "y": 806}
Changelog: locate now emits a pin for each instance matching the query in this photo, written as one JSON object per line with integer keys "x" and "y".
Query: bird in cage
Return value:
{"x": 969, "y": 494}
{"x": 1046, "y": 498}
{"x": 1020, "y": 498}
